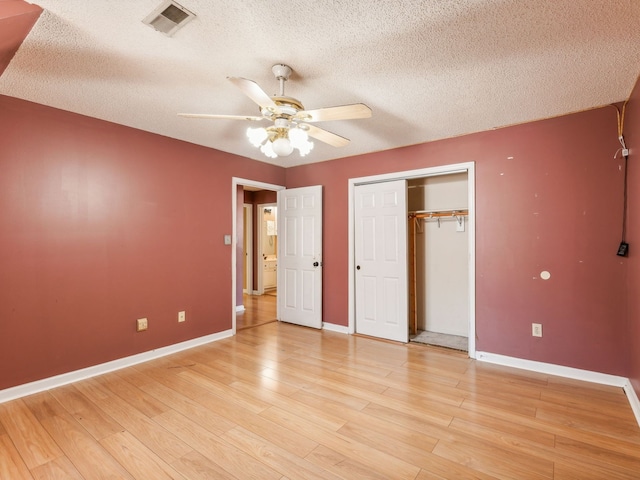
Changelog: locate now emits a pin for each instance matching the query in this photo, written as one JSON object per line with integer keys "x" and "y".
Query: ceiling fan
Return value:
{"x": 292, "y": 124}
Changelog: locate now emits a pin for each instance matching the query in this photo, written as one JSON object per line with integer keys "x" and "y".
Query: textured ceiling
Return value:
{"x": 428, "y": 69}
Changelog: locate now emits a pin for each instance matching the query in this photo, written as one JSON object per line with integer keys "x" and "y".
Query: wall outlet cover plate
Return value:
{"x": 141, "y": 324}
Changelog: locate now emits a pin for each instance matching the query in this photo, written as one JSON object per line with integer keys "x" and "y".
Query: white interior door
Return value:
{"x": 381, "y": 260}
{"x": 300, "y": 256}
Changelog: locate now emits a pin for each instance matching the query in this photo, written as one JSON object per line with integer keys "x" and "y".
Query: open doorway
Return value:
{"x": 251, "y": 237}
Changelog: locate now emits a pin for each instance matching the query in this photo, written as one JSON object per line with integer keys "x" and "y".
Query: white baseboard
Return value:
{"x": 551, "y": 369}
{"x": 77, "y": 375}
{"x": 567, "y": 372}
{"x": 332, "y": 327}
{"x": 240, "y": 308}
{"x": 633, "y": 400}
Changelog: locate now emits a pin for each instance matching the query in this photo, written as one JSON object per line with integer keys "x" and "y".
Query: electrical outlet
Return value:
{"x": 536, "y": 329}
{"x": 142, "y": 324}
{"x": 182, "y": 316}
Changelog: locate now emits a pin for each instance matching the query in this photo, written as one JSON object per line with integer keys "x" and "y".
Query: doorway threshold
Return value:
{"x": 454, "y": 342}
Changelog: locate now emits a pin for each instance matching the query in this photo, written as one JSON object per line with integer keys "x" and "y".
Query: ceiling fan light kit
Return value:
{"x": 291, "y": 127}
{"x": 280, "y": 139}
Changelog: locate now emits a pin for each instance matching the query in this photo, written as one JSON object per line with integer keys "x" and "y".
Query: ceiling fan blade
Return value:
{"x": 252, "y": 90}
{"x": 343, "y": 112}
{"x": 228, "y": 117}
{"x": 326, "y": 136}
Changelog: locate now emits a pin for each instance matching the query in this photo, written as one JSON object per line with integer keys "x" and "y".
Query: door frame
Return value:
{"x": 235, "y": 182}
{"x": 469, "y": 168}
{"x": 248, "y": 247}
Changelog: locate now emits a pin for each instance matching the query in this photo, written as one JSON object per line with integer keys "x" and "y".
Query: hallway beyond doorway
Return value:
{"x": 258, "y": 310}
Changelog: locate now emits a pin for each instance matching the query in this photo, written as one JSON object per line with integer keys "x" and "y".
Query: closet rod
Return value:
{"x": 440, "y": 213}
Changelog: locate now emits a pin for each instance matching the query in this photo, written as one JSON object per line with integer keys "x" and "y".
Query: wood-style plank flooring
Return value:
{"x": 286, "y": 402}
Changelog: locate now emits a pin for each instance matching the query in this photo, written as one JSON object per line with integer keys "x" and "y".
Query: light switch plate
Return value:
{"x": 536, "y": 329}
{"x": 227, "y": 239}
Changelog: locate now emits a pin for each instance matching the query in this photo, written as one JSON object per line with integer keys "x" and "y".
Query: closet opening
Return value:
{"x": 436, "y": 303}
{"x": 438, "y": 266}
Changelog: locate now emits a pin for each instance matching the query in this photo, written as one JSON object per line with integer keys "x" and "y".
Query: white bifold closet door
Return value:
{"x": 380, "y": 235}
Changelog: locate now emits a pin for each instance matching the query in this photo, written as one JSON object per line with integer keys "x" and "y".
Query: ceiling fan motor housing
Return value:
{"x": 288, "y": 107}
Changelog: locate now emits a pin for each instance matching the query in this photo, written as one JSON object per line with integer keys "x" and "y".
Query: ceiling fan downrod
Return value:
{"x": 282, "y": 73}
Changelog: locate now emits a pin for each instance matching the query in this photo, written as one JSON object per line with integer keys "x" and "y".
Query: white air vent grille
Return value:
{"x": 168, "y": 18}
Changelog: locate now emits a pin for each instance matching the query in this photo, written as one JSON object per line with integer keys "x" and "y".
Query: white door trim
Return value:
{"x": 235, "y": 181}
{"x": 248, "y": 252}
{"x": 469, "y": 168}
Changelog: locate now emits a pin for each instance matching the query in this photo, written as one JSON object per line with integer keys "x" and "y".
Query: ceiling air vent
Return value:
{"x": 168, "y": 18}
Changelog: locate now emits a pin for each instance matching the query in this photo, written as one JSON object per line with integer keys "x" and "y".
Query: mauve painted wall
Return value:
{"x": 632, "y": 140}
{"x": 16, "y": 20}
{"x": 101, "y": 224}
{"x": 556, "y": 206}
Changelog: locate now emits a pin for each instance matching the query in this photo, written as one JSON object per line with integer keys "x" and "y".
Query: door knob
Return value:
{"x": 315, "y": 264}
{"x": 358, "y": 267}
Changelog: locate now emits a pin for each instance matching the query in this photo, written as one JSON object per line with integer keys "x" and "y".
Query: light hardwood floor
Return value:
{"x": 286, "y": 402}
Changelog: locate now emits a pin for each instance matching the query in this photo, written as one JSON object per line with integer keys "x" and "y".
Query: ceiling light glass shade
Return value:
{"x": 305, "y": 148}
{"x": 282, "y": 146}
{"x": 298, "y": 137}
{"x": 267, "y": 149}
{"x": 257, "y": 136}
